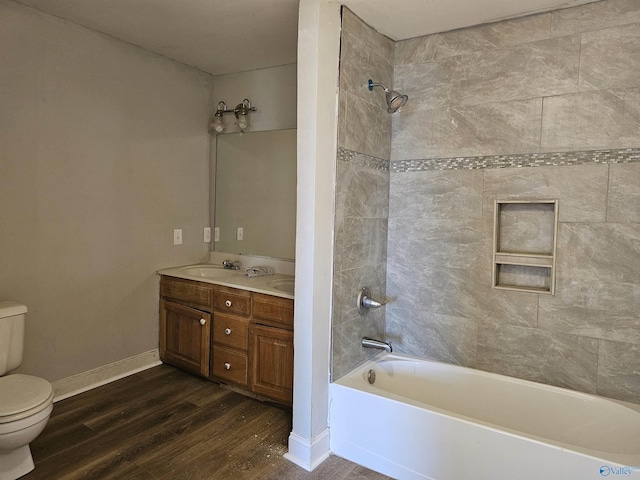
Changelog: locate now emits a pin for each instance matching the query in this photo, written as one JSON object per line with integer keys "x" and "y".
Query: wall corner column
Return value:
{"x": 318, "y": 57}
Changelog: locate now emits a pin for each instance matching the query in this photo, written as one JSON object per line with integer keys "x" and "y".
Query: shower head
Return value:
{"x": 395, "y": 100}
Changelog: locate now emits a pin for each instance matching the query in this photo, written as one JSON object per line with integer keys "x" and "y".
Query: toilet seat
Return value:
{"x": 22, "y": 396}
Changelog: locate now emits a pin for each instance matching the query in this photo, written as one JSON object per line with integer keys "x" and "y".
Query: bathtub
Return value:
{"x": 429, "y": 420}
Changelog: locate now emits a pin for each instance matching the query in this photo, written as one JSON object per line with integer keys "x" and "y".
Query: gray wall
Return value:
{"x": 362, "y": 189}
{"x": 486, "y": 106}
{"x": 103, "y": 152}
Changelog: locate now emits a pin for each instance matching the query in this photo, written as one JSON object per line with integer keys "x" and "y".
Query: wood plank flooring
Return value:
{"x": 165, "y": 424}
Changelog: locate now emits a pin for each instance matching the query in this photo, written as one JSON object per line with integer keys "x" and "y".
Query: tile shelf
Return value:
{"x": 522, "y": 269}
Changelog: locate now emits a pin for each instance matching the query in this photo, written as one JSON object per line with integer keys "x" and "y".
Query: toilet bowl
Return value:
{"x": 25, "y": 405}
{"x": 26, "y": 402}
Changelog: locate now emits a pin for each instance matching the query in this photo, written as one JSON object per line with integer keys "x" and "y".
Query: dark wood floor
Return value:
{"x": 164, "y": 424}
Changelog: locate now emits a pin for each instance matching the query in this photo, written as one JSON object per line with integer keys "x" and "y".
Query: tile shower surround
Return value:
{"x": 362, "y": 190}
{"x": 480, "y": 124}
{"x": 587, "y": 337}
{"x": 439, "y": 265}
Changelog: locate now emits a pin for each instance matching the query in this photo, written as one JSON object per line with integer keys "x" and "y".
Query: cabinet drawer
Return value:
{"x": 187, "y": 291}
{"x": 230, "y": 365}
{"x": 231, "y": 331}
{"x": 273, "y": 310}
{"x": 232, "y": 300}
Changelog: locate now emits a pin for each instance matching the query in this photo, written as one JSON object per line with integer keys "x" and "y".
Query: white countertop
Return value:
{"x": 275, "y": 285}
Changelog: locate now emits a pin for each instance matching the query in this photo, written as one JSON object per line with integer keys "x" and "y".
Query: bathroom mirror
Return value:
{"x": 255, "y": 193}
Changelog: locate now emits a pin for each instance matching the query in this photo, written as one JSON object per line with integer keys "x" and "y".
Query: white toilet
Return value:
{"x": 25, "y": 401}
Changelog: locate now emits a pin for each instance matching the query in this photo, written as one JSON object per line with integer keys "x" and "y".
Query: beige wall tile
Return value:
{"x": 608, "y": 252}
{"x": 436, "y": 195}
{"x": 594, "y": 16}
{"x": 504, "y": 34}
{"x": 590, "y": 120}
{"x": 362, "y": 191}
{"x": 413, "y": 135}
{"x": 436, "y": 337}
{"x": 610, "y": 58}
{"x": 377, "y": 43}
{"x": 342, "y": 118}
{"x": 598, "y": 282}
{"x": 592, "y": 308}
{"x": 488, "y": 129}
{"x": 426, "y": 241}
{"x": 346, "y": 349}
{"x": 547, "y": 67}
{"x": 359, "y": 64}
{"x": 580, "y": 189}
{"x": 367, "y": 128}
{"x": 415, "y": 50}
{"x": 618, "y": 367}
{"x": 623, "y": 201}
{"x": 359, "y": 241}
{"x": 568, "y": 361}
{"x": 415, "y": 77}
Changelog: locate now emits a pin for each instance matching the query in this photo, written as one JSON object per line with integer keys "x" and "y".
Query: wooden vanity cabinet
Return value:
{"x": 185, "y": 324}
{"x": 271, "y": 347}
{"x": 228, "y": 335}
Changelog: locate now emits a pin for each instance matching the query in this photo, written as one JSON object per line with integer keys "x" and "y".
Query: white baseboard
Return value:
{"x": 308, "y": 454}
{"x": 81, "y": 382}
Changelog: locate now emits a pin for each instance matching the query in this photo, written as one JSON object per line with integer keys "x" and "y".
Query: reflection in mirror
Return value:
{"x": 256, "y": 192}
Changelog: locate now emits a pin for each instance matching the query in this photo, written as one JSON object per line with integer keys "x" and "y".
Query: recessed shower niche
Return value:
{"x": 524, "y": 245}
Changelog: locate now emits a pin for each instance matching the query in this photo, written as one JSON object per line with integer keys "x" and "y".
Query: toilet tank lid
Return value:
{"x": 9, "y": 309}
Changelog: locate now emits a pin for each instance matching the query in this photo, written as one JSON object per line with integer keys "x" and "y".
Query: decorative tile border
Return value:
{"x": 626, "y": 155}
{"x": 362, "y": 160}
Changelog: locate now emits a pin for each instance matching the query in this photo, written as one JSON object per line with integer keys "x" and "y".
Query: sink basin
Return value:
{"x": 286, "y": 286}
{"x": 209, "y": 271}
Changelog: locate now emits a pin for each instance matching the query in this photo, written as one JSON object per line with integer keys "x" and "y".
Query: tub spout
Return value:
{"x": 371, "y": 343}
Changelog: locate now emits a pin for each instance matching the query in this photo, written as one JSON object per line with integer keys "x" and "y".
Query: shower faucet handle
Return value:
{"x": 365, "y": 301}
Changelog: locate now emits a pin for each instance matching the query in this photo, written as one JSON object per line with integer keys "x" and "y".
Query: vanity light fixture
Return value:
{"x": 217, "y": 124}
{"x": 241, "y": 112}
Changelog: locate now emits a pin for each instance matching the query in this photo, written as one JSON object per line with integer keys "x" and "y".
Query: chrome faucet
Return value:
{"x": 364, "y": 301}
{"x": 228, "y": 264}
{"x": 371, "y": 343}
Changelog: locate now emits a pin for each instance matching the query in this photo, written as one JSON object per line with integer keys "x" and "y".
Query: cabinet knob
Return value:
{"x": 228, "y": 303}
{"x": 227, "y": 366}
{"x": 203, "y": 321}
{"x": 227, "y": 331}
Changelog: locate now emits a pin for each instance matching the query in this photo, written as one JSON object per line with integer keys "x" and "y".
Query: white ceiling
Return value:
{"x": 402, "y": 19}
{"x": 226, "y": 36}
{"x": 216, "y": 36}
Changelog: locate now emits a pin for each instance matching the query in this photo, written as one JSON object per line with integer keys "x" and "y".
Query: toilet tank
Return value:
{"x": 11, "y": 335}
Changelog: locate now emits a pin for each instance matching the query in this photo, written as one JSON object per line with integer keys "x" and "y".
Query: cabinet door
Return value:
{"x": 185, "y": 337}
{"x": 271, "y": 360}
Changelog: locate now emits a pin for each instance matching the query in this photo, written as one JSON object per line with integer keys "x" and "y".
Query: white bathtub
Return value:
{"x": 431, "y": 420}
